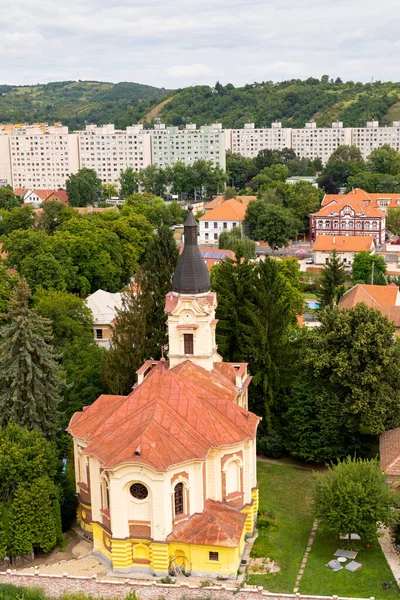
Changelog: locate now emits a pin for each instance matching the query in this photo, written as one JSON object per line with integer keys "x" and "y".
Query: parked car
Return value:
{"x": 309, "y": 261}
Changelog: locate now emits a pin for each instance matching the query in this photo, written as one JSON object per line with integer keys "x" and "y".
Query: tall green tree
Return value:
{"x": 346, "y": 382}
{"x": 331, "y": 279}
{"x": 353, "y": 496}
{"x": 161, "y": 260}
{"x": 30, "y": 379}
{"x": 53, "y": 215}
{"x": 273, "y": 224}
{"x": 129, "y": 345}
{"x": 393, "y": 220}
{"x": 369, "y": 268}
{"x": 384, "y": 160}
{"x": 129, "y": 182}
{"x": 83, "y": 187}
{"x": 8, "y": 199}
{"x": 235, "y": 241}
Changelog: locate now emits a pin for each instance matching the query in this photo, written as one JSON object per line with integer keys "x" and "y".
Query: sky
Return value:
{"x": 188, "y": 42}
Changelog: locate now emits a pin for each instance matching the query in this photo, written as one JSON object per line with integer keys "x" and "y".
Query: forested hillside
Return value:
{"x": 292, "y": 102}
{"x": 77, "y": 103}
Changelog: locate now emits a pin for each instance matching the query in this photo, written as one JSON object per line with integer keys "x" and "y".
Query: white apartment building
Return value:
{"x": 171, "y": 144}
{"x": 109, "y": 151}
{"x": 250, "y": 140}
{"x": 39, "y": 159}
{"x": 372, "y": 136}
{"x": 320, "y": 142}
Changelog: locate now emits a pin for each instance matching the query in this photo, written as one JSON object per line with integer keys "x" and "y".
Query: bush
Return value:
{"x": 12, "y": 592}
{"x": 271, "y": 444}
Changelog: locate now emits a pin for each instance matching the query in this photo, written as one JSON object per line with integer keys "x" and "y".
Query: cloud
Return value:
{"x": 197, "y": 41}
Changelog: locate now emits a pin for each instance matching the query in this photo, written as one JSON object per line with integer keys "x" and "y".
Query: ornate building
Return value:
{"x": 355, "y": 213}
{"x": 166, "y": 476}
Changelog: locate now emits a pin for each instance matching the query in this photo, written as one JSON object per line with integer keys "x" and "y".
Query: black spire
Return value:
{"x": 191, "y": 274}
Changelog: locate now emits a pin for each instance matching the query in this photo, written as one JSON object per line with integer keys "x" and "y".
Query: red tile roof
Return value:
{"x": 174, "y": 416}
{"x": 343, "y": 243}
{"x": 218, "y": 525}
{"x": 362, "y": 207}
{"x": 230, "y": 210}
{"x": 361, "y": 195}
{"x": 389, "y": 448}
{"x": 220, "y": 199}
{"x": 382, "y": 297}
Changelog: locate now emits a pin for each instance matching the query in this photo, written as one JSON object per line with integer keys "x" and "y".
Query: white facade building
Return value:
{"x": 171, "y": 144}
{"x": 372, "y": 136}
{"x": 250, "y": 140}
{"x": 109, "y": 151}
{"x": 319, "y": 142}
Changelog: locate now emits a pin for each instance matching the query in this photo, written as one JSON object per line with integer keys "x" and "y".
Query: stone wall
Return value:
{"x": 56, "y": 585}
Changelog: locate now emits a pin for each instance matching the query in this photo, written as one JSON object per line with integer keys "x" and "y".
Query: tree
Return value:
{"x": 368, "y": 268}
{"x": 153, "y": 180}
{"x": 16, "y": 218}
{"x": 53, "y": 215}
{"x": 8, "y": 199}
{"x": 353, "y": 496}
{"x": 393, "y": 220}
{"x": 327, "y": 184}
{"x": 240, "y": 170}
{"x": 233, "y": 240}
{"x": 159, "y": 266}
{"x": 30, "y": 379}
{"x": 108, "y": 190}
{"x": 83, "y": 187}
{"x": 302, "y": 200}
{"x": 384, "y": 160}
{"x": 331, "y": 279}
{"x": 129, "y": 182}
{"x": 346, "y": 154}
{"x": 7, "y": 285}
{"x": 273, "y": 224}
{"x": 129, "y": 345}
{"x": 345, "y": 385}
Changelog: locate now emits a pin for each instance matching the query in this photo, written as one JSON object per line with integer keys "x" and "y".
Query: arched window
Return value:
{"x": 320, "y": 223}
{"x": 336, "y": 224}
{"x": 327, "y": 224}
{"x": 358, "y": 224}
{"x": 179, "y": 503}
{"x": 233, "y": 477}
{"x": 374, "y": 225}
{"x": 105, "y": 494}
{"x": 367, "y": 225}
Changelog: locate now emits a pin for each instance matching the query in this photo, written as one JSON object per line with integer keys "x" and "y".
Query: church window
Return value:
{"x": 213, "y": 556}
{"x": 188, "y": 342}
{"x": 139, "y": 491}
{"x": 178, "y": 499}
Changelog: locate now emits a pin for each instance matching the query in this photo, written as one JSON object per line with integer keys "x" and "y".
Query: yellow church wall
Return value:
{"x": 198, "y": 557}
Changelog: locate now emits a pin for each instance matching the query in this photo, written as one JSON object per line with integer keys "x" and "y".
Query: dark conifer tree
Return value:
{"x": 331, "y": 279}
{"x": 30, "y": 379}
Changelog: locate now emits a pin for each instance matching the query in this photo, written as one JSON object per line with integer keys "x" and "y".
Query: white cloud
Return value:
{"x": 197, "y": 41}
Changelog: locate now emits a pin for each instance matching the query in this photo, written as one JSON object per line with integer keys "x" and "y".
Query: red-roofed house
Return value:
{"x": 166, "y": 475}
{"x": 389, "y": 450}
{"x": 223, "y": 217}
{"x": 385, "y": 298}
{"x": 345, "y": 245}
{"x": 351, "y": 214}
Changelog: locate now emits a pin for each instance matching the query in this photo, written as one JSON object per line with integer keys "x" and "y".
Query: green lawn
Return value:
{"x": 309, "y": 296}
{"x": 364, "y": 583}
{"x": 286, "y": 491}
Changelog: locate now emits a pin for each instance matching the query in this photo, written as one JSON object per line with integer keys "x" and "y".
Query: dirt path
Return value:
{"x": 155, "y": 111}
{"x": 390, "y": 553}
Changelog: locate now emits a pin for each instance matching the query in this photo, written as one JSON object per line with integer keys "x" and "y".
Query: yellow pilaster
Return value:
{"x": 121, "y": 554}
{"x": 159, "y": 559}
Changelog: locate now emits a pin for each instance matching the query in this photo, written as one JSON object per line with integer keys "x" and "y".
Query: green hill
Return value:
{"x": 293, "y": 102}
{"x": 76, "y": 103}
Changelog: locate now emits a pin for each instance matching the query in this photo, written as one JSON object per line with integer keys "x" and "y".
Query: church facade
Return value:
{"x": 166, "y": 476}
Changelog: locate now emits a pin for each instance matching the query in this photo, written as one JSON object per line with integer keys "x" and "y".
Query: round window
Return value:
{"x": 139, "y": 491}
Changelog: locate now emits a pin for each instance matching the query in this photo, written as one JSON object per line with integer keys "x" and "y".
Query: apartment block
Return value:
{"x": 372, "y": 136}
{"x": 109, "y": 151}
{"x": 320, "y": 142}
{"x": 171, "y": 144}
{"x": 39, "y": 158}
{"x": 250, "y": 140}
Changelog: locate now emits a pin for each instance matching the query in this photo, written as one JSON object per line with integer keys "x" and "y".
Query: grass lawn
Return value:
{"x": 364, "y": 583}
{"x": 309, "y": 296}
{"x": 285, "y": 490}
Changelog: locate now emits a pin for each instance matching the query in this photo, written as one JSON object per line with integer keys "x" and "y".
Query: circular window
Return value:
{"x": 139, "y": 491}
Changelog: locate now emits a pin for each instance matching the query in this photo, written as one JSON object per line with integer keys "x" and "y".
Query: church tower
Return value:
{"x": 191, "y": 306}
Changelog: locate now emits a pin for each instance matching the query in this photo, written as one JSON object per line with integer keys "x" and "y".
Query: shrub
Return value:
{"x": 271, "y": 444}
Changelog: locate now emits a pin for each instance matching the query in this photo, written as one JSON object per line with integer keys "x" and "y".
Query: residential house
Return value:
{"x": 346, "y": 247}
{"x": 385, "y": 298}
{"x": 166, "y": 475}
{"x": 104, "y": 307}
{"x": 389, "y": 450}
{"x": 223, "y": 217}
{"x": 220, "y": 199}
{"x": 350, "y": 214}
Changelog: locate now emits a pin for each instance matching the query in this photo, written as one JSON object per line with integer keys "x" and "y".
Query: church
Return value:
{"x": 166, "y": 476}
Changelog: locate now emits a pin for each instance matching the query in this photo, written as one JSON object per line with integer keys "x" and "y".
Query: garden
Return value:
{"x": 284, "y": 531}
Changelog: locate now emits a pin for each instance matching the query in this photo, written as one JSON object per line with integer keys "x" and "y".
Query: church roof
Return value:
{"x": 173, "y": 416}
{"x": 191, "y": 274}
{"x": 217, "y": 525}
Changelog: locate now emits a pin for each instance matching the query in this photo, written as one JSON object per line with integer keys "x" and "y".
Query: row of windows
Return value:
{"x": 224, "y": 225}
{"x": 347, "y": 224}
